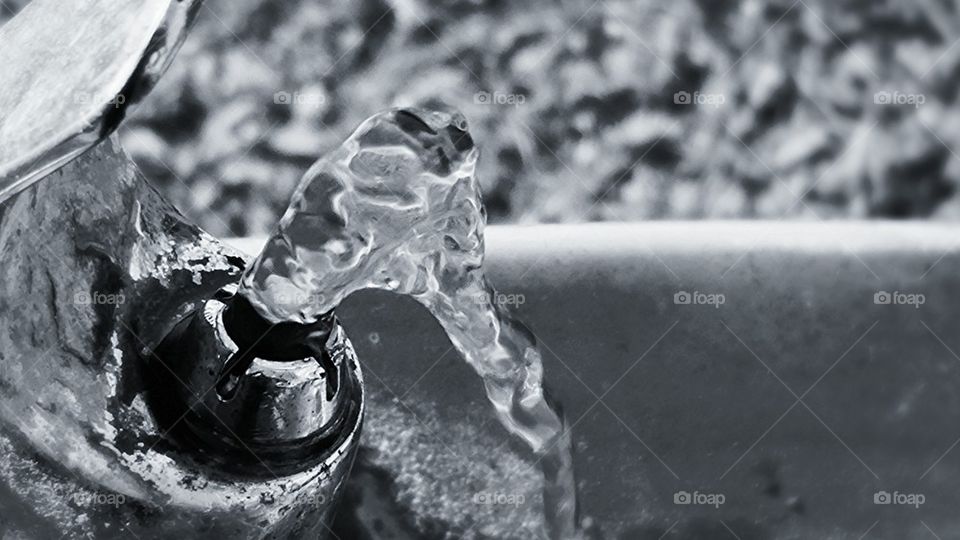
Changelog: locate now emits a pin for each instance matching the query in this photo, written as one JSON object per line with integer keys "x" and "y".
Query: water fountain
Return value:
{"x": 100, "y": 271}
{"x": 230, "y": 409}
{"x": 804, "y": 398}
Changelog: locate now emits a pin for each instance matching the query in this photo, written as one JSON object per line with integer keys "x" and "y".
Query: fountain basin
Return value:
{"x": 741, "y": 379}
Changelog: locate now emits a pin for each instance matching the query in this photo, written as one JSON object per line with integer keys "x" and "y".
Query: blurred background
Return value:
{"x": 584, "y": 110}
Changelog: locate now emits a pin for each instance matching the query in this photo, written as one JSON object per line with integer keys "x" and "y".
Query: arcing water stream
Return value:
{"x": 397, "y": 206}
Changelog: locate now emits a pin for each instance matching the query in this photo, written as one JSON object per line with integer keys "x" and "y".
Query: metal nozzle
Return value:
{"x": 264, "y": 397}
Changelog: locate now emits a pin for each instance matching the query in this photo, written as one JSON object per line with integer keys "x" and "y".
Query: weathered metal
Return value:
{"x": 98, "y": 271}
{"x": 98, "y": 268}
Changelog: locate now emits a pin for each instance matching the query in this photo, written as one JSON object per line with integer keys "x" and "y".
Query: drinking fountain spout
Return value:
{"x": 132, "y": 402}
{"x": 258, "y": 399}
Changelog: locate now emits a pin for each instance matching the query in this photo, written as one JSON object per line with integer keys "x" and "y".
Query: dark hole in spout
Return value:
{"x": 257, "y": 337}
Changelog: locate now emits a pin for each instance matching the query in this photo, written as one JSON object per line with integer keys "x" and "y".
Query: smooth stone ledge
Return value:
{"x": 798, "y": 399}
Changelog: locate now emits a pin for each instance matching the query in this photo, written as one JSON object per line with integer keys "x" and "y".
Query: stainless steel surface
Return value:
{"x": 284, "y": 415}
{"x": 71, "y": 71}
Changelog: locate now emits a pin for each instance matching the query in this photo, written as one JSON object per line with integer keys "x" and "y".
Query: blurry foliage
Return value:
{"x": 573, "y": 104}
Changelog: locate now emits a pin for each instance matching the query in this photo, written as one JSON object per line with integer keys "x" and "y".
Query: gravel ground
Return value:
{"x": 607, "y": 110}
